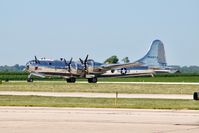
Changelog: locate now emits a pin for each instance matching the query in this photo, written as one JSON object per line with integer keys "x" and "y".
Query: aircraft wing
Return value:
{"x": 114, "y": 66}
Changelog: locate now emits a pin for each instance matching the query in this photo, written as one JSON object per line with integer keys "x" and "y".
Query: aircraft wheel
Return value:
{"x": 196, "y": 96}
{"x": 92, "y": 80}
{"x": 71, "y": 80}
{"x": 30, "y": 80}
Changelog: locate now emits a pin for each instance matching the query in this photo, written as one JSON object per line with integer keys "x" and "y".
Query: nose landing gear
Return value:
{"x": 30, "y": 79}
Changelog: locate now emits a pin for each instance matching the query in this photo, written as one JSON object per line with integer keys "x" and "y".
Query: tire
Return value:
{"x": 196, "y": 96}
{"x": 92, "y": 80}
{"x": 30, "y": 80}
{"x": 71, "y": 80}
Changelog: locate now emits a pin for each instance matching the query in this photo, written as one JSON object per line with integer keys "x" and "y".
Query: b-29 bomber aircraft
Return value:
{"x": 153, "y": 62}
{"x": 70, "y": 70}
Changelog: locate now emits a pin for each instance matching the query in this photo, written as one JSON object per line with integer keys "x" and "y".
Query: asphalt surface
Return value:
{"x": 87, "y": 120}
{"x": 98, "y": 95}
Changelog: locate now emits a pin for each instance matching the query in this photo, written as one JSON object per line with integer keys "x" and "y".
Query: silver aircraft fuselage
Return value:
{"x": 91, "y": 70}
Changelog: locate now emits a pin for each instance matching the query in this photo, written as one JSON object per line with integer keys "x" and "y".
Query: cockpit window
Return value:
{"x": 32, "y": 62}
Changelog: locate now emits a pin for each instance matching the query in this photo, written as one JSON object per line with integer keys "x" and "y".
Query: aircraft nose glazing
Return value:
{"x": 27, "y": 67}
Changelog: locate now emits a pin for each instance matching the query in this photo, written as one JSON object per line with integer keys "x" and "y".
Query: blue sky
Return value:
{"x": 100, "y": 28}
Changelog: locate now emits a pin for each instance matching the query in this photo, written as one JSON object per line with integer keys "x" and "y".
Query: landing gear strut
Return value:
{"x": 92, "y": 80}
{"x": 71, "y": 80}
{"x": 30, "y": 79}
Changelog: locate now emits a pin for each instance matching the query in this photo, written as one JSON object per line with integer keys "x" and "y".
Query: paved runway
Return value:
{"x": 87, "y": 120}
{"x": 98, "y": 95}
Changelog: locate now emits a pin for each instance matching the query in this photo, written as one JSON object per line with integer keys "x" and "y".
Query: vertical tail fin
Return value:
{"x": 155, "y": 56}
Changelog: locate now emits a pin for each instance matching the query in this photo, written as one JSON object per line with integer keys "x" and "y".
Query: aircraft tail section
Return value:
{"x": 155, "y": 56}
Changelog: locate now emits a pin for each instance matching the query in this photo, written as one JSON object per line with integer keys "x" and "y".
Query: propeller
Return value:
{"x": 36, "y": 60}
{"x": 84, "y": 63}
{"x": 68, "y": 64}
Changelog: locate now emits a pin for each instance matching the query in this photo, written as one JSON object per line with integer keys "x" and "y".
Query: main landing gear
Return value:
{"x": 71, "y": 80}
{"x": 92, "y": 80}
{"x": 30, "y": 80}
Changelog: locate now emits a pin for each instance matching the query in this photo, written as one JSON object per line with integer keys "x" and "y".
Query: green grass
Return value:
{"x": 61, "y": 86}
{"x": 39, "y": 101}
{"x": 157, "y": 78}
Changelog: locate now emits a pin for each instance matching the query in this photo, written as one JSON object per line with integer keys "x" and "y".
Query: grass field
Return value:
{"x": 157, "y": 78}
{"x": 61, "y": 86}
{"x": 58, "y": 85}
{"x": 166, "y": 78}
{"x": 98, "y": 102}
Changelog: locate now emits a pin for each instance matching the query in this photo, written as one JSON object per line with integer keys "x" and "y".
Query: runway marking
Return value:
{"x": 98, "y": 95}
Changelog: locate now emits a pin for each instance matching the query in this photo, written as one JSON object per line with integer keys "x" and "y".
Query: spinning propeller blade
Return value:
{"x": 84, "y": 63}
{"x": 68, "y": 64}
